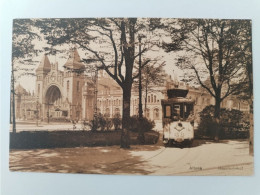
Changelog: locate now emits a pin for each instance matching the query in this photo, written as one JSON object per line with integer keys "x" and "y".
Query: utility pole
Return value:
{"x": 140, "y": 80}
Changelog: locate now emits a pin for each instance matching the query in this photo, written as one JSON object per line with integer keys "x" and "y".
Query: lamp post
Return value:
{"x": 141, "y": 138}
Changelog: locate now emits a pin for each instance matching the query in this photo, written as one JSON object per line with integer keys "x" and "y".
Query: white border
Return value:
{"x": 51, "y": 183}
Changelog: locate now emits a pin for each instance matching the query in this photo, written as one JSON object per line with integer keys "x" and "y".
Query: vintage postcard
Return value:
{"x": 143, "y": 96}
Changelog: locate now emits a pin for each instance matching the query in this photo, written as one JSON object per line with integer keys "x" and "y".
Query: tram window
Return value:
{"x": 176, "y": 112}
{"x": 168, "y": 111}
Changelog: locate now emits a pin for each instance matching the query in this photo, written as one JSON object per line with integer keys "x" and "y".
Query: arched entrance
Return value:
{"x": 53, "y": 103}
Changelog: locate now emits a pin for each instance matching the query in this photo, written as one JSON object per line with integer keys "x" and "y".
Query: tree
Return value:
{"x": 247, "y": 89}
{"x": 212, "y": 51}
{"x": 152, "y": 77}
{"x": 22, "y": 51}
{"x": 98, "y": 37}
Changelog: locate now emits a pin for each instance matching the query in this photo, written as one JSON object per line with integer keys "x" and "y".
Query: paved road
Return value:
{"x": 204, "y": 158}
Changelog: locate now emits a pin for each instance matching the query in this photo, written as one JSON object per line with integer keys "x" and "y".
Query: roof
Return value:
{"x": 45, "y": 64}
{"x": 172, "y": 93}
{"x": 74, "y": 61}
{"x": 19, "y": 90}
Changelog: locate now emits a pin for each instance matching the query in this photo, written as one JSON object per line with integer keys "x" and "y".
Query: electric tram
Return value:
{"x": 178, "y": 118}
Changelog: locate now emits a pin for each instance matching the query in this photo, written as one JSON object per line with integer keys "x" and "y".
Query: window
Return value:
{"x": 152, "y": 98}
{"x": 39, "y": 88}
{"x": 68, "y": 85}
{"x": 117, "y": 111}
{"x": 156, "y": 114}
{"x": 77, "y": 86}
{"x": 149, "y": 99}
{"x": 107, "y": 114}
{"x": 168, "y": 112}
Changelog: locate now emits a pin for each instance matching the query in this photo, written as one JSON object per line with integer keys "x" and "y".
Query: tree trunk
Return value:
{"x": 217, "y": 119}
{"x": 251, "y": 130}
{"x": 126, "y": 116}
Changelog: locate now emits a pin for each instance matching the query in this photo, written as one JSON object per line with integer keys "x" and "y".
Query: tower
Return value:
{"x": 41, "y": 73}
{"x": 88, "y": 101}
{"x": 73, "y": 84}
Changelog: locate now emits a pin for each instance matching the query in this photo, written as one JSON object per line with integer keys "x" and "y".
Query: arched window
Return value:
{"x": 77, "y": 86}
{"x": 149, "y": 99}
{"x": 156, "y": 115}
{"x": 68, "y": 85}
{"x": 152, "y": 98}
{"x": 107, "y": 114}
{"x": 117, "y": 111}
{"x": 147, "y": 113}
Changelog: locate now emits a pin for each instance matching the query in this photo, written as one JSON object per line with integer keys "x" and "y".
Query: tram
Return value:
{"x": 178, "y": 118}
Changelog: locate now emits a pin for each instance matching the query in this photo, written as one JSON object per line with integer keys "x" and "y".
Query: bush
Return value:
{"x": 145, "y": 124}
{"x": 117, "y": 121}
{"x": 230, "y": 121}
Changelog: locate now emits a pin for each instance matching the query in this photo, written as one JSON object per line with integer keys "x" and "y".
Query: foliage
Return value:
{"x": 145, "y": 124}
{"x": 23, "y": 47}
{"x": 230, "y": 121}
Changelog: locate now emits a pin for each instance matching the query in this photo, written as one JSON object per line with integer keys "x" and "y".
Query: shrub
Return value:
{"x": 101, "y": 122}
{"x": 109, "y": 124}
{"x": 117, "y": 121}
{"x": 144, "y": 124}
{"x": 230, "y": 120}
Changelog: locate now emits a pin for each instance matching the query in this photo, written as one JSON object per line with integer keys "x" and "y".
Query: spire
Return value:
{"x": 45, "y": 64}
{"x": 73, "y": 61}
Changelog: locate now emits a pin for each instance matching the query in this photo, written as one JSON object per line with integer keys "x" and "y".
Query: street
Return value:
{"x": 228, "y": 157}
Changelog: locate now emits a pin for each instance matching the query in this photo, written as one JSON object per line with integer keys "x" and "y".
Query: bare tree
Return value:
{"x": 213, "y": 51}
{"x": 110, "y": 41}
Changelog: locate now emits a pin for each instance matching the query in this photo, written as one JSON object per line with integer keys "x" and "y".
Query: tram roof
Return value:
{"x": 174, "y": 93}
{"x": 178, "y": 100}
